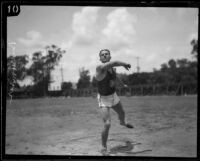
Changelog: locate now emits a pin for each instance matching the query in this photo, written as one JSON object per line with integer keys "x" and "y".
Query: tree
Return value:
{"x": 172, "y": 64}
{"x": 66, "y": 86}
{"x": 138, "y": 78}
{"x": 182, "y": 63}
{"x": 159, "y": 77}
{"x": 164, "y": 67}
{"x": 84, "y": 80}
{"x": 43, "y": 65}
{"x": 36, "y": 69}
{"x": 123, "y": 78}
{"x": 194, "y": 44}
{"x": 54, "y": 54}
{"x": 16, "y": 70}
{"x": 19, "y": 63}
{"x": 94, "y": 82}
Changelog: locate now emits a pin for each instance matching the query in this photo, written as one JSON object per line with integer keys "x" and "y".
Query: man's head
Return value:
{"x": 104, "y": 55}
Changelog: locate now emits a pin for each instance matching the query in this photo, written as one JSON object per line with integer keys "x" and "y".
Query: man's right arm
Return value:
{"x": 101, "y": 69}
{"x": 111, "y": 64}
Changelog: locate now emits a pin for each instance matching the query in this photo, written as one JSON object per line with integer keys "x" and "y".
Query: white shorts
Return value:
{"x": 108, "y": 101}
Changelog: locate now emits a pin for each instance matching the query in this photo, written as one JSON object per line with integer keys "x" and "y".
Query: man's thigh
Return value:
{"x": 105, "y": 112}
{"x": 118, "y": 108}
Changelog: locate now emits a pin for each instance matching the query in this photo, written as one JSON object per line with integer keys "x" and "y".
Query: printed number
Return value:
{"x": 13, "y": 9}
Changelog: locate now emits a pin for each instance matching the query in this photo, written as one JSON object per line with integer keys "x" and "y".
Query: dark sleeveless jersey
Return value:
{"x": 104, "y": 87}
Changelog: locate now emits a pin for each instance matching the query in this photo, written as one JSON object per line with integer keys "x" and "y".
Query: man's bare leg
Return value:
{"x": 105, "y": 111}
{"x": 121, "y": 115}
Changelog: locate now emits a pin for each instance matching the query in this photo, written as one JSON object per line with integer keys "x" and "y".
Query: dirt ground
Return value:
{"x": 165, "y": 126}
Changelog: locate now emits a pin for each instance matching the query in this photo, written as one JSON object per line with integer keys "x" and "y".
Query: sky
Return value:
{"x": 154, "y": 35}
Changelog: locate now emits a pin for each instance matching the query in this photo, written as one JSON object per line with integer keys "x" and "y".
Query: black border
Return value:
{"x": 105, "y": 3}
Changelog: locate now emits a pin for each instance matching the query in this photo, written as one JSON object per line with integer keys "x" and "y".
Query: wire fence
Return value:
{"x": 140, "y": 90}
{"x": 137, "y": 90}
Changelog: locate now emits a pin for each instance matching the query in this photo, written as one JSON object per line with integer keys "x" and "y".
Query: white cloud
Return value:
{"x": 66, "y": 46}
{"x": 78, "y": 57}
{"x": 120, "y": 31}
{"x": 84, "y": 24}
{"x": 168, "y": 49}
{"x": 84, "y": 31}
{"x": 34, "y": 39}
{"x": 192, "y": 36}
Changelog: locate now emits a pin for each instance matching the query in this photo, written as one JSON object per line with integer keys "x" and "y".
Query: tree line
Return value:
{"x": 174, "y": 71}
{"x": 39, "y": 70}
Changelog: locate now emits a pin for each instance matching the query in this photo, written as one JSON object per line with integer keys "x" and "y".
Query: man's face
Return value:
{"x": 105, "y": 56}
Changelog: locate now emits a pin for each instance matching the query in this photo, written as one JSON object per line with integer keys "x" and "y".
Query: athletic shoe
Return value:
{"x": 104, "y": 152}
{"x": 129, "y": 126}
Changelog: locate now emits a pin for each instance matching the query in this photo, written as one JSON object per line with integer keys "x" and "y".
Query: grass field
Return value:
{"x": 164, "y": 126}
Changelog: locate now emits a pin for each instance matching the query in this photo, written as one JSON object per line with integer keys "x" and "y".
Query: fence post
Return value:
{"x": 154, "y": 89}
{"x": 141, "y": 89}
{"x": 131, "y": 91}
{"x": 167, "y": 89}
{"x": 181, "y": 89}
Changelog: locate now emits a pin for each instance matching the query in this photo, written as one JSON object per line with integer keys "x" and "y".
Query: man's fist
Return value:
{"x": 127, "y": 66}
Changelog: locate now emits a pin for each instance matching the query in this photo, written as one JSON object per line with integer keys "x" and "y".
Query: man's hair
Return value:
{"x": 104, "y": 50}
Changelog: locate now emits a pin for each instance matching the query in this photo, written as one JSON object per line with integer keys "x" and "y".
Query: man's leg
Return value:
{"x": 105, "y": 111}
{"x": 121, "y": 115}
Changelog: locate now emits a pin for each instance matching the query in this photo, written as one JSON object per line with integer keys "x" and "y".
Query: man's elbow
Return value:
{"x": 114, "y": 64}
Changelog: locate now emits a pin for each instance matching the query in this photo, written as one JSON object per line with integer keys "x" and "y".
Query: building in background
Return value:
{"x": 56, "y": 79}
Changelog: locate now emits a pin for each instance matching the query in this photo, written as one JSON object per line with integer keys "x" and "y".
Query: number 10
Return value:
{"x": 13, "y": 9}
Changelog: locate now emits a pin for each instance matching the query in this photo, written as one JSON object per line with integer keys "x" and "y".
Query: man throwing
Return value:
{"x": 107, "y": 97}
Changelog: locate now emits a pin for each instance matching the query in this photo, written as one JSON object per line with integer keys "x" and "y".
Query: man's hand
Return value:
{"x": 127, "y": 66}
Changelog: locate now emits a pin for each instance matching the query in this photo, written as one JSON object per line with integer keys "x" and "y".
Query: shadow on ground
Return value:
{"x": 126, "y": 147}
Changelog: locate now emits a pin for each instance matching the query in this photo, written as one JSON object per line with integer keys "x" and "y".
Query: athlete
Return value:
{"x": 107, "y": 97}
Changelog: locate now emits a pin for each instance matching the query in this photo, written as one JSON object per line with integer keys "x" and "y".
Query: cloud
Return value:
{"x": 168, "y": 49}
{"x": 84, "y": 32}
{"x": 66, "y": 45}
{"x": 34, "y": 39}
{"x": 120, "y": 31}
{"x": 192, "y": 36}
{"x": 84, "y": 24}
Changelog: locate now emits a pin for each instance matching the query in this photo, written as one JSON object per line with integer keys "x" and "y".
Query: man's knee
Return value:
{"x": 119, "y": 109}
{"x": 107, "y": 124}
{"x": 122, "y": 112}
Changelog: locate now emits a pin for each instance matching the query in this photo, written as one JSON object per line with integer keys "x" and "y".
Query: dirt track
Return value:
{"x": 164, "y": 126}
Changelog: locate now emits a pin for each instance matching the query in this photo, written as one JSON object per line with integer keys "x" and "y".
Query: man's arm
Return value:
{"x": 108, "y": 65}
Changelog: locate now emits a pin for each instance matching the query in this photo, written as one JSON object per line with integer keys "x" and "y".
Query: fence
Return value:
{"x": 141, "y": 90}
{"x": 137, "y": 90}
